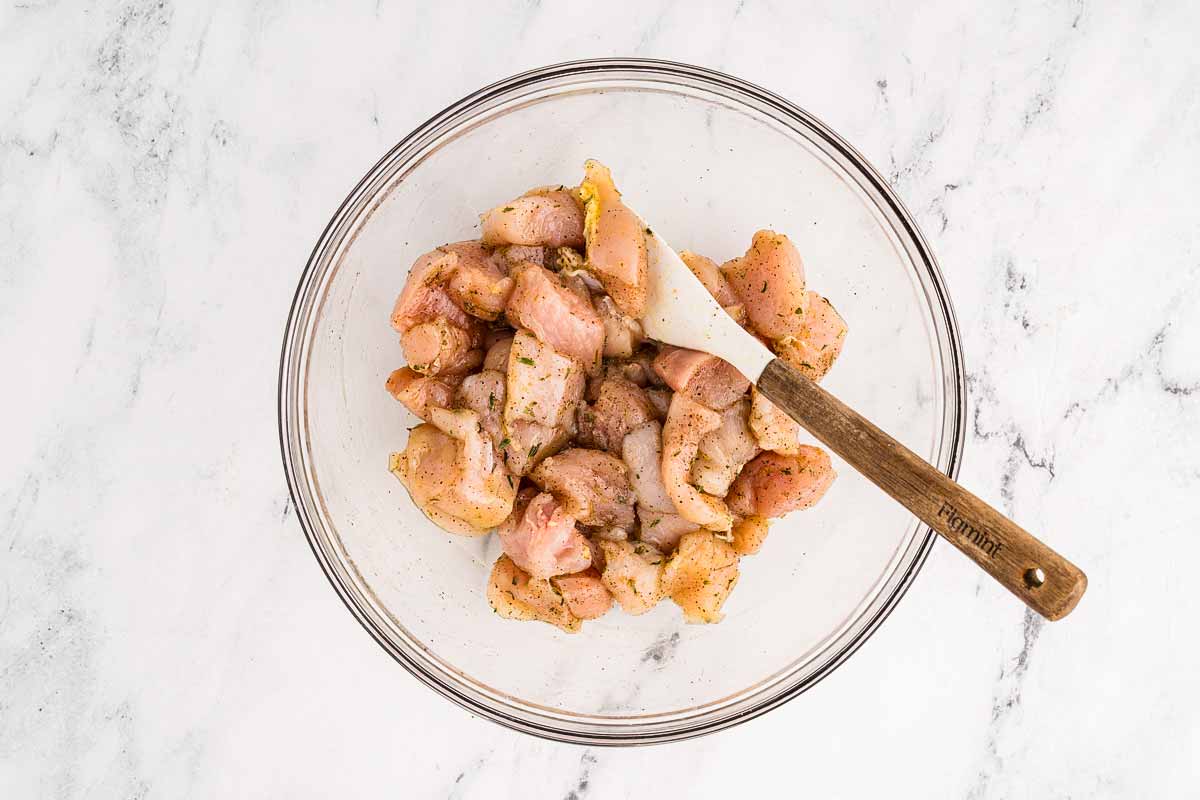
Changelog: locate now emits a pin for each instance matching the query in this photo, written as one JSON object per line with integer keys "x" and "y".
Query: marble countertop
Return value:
{"x": 165, "y": 168}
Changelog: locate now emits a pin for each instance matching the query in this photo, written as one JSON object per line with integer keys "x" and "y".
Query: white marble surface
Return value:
{"x": 164, "y": 171}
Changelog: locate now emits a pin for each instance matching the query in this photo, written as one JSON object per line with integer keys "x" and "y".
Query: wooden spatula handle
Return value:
{"x": 1044, "y": 580}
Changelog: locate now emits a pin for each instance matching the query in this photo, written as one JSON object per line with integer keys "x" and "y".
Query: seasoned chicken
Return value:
{"x": 820, "y": 341}
{"x": 619, "y": 408}
{"x": 616, "y": 240}
{"x": 774, "y": 484}
{"x": 722, "y": 453}
{"x": 769, "y": 280}
{"x": 749, "y": 533}
{"x": 421, "y": 393}
{"x": 479, "y": 283}
{"x": 592, "y": 485}
{"x": 704, "y": 378}
{"x": 424, "y": 298}
{"x": 772, "y": 427}
{"x": 540, "y": 537}
{"x": 513, "y": 594}
{"x": 632, "y": 573}
{"x": 660, "y": 400}
{"x": 484, "y": 394}
{"x": 544, "y": 389}
{"x": 496, "y": 356}
{"x": 547, "y": 216}
{"x": 451, "y": 472}
{"x": 555, "y": 314}
{"x": 700, "y": 575}
{"x": 642, "y": 452}
{"x": 584, "y": 593}
{"x": 687, "y": 423}
{"x": 440, "y": 347}
{"x": 622, "y": 334}
{"x": 718, "y": 286}
{"x": 663, "y": 529}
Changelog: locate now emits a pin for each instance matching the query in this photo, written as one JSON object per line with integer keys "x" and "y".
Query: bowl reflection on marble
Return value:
{"x": 709, "y": 159}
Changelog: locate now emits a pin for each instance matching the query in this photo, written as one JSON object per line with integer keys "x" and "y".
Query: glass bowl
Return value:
{"x": 709, "y": 159}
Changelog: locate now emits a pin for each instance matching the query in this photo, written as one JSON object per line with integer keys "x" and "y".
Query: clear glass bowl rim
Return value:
{"x": 304, "y": 312}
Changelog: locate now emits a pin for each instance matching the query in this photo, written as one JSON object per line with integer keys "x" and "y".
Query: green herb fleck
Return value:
{"x": 491, "y": 400}
{"x": 524, "y": 360}
{"x": 533, "y": 450}
{"x": 510, "y": 483}
{"x": 506, "y": 209}
{"x": 652, "y": 524}
{"x": 504, "y": 443}
{"x": 799, "y": 311}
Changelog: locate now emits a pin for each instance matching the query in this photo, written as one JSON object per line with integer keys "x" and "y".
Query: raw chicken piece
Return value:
{"x": 722, "y": 453}
{"x": 663, "y": 530}
{"x": 420, "y": 393}
{"x": 585, "y": 593}
{"x": 452, "y": 473}
{"x": 440, "y": 347}
{"x": 484, "y": 394}
{"x": 526, "y": 444}
{"x": 687, "y": 423}
{"x": 700, "y": 576}
{"x": 820, "y": 340}
{"x": 620, "y": 407}
{"x": 772, "y": 427}
{"x": 769, "y": 279}
{"x": 513, "y": 594}
{"x": 592, "y": 485}
{"x": 622, "y": 334}
{"x": 704, "y": 378}
{"x": 540, "y": 537}
{"x": 660, "y": 399}
{"x": 749, "y": 534}
{"x": 424, "y": 297}
{"x": 710, "y": 275}
{"x": 774, "y": 484}
{"x": 616, "y": 240}
{"x": 514, "y": 254}
{"x": 555, "y": 314}
{"x": 632, "y": 572}
{"x": 642, "y": 452}
{"x": 479, "y": 283}
{"x": 496, "y": 357}
{"x": 548, "y": 216}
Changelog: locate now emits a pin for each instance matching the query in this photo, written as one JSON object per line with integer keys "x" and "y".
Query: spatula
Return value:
{"x": 681, "y": 312}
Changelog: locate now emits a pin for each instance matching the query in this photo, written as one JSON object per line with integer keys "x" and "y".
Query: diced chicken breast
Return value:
{"x": 496, "y": 357}
{"x": 700, "y": 575}
{"x": 663, "y": 530}
{"x": 622, "y": 334}
{"x": 479, "y": 283}
{"x": 513, "y": 594}
{"x": 703, "y": 377}
{"x": 772, "y": 427}
{"x": 642, "y": 452}
{"x": 773, "y": 484}
{"x": 632, "y": 573}
{"x": 451, "y": 472}
{"x": 424, "y": 297}
{"x": 687, "y": 423}
{"x": 820, "y": 341}
{"x": 526, "y": 444}
{"x": 769, "y": 280}
{"x": 541, "y": 538}
{"x": 619, "y": 408}
{"x": 660, "y": 399}
{"x": 484, "y": 394}
{"x": 723, "y": 453}
{"x": 585, "y": 593}
{"x": 543, "y": 386}
{"x": 616, "y": 240}
{"x": 749, "y": 533}
{"x": 592, "y": 485}
{"x": 547, "y": 216}
{"x": 710, "y": 275}
{"x": 440, "y": 347}
{"x": 420, "y": 393}
{"x": 556, "y": 315}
